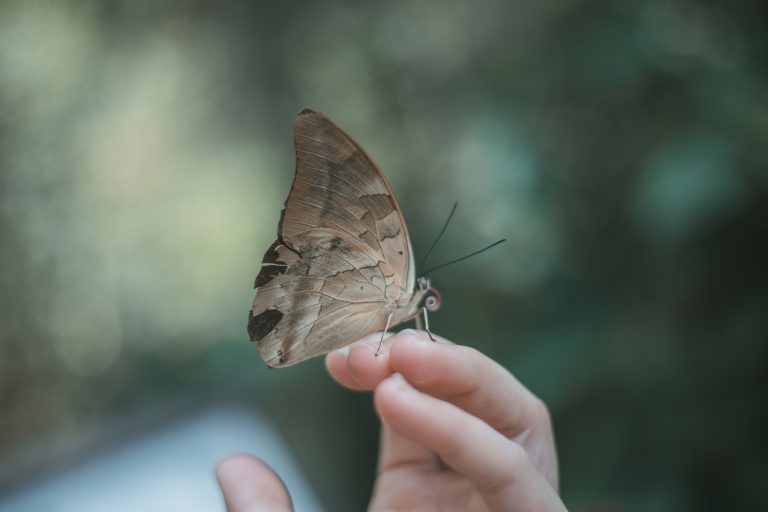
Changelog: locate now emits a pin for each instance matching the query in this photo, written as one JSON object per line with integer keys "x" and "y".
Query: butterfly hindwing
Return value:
{"x": 342, "y": 258}
{"x": 297, "y": 302}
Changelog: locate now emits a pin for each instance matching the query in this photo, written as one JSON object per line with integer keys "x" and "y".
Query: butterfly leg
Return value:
{"x": 426, "y": 323}
{"x": 386, "y": 328}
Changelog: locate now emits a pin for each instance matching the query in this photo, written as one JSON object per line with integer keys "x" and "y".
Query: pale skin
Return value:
{"x": 458, "y": 432}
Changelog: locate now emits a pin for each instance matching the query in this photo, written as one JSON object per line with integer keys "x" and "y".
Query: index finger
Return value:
{"x": 363, "y": 364}
{"x": 468, "y": 379}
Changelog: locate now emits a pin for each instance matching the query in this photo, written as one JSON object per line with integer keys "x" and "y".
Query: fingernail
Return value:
{"x": 343, "y": 350}
{"x": 398, "y": 380}
{"x": 413, "y": 333}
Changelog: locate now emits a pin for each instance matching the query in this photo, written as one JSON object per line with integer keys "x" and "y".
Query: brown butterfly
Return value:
{"x": 342, "y": 266}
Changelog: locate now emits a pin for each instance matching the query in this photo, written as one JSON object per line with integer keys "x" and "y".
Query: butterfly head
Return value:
{"x": 433, "y": 299}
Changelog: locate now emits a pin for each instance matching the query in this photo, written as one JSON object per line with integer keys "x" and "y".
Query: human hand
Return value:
{"x": 458, "y": 432}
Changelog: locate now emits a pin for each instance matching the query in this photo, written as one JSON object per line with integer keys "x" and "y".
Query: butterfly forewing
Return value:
{"x": 342, "y": 260}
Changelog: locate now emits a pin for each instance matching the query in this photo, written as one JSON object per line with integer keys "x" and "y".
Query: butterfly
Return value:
{"x": 342, "y": 266}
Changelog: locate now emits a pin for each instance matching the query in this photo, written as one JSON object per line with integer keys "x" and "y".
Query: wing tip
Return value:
{"x": 305, "y": 112}
{"x": 307, "y": 116}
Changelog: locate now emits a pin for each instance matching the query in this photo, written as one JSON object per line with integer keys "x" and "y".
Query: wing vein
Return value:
{"x": 340, "y": 178}
{"x": 288, "y": 294}
{"x": 376, "y": 259}
{"x": 337, "y": 192}
{"x": 344, "y": 208}
{"x": 312, "y": 322}
{"x": 361, "y": 191}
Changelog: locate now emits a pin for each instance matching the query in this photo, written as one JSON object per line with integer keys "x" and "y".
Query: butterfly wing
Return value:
{"x": 342, "y": 257}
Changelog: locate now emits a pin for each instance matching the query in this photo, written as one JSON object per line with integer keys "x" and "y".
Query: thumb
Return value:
{"x": 250, "y": 485}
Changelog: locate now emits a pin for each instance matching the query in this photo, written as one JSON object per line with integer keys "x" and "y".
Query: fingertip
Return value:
{"x": 337, "y": 365}
{"x": 334, "y": 361}
{"x": 423, "y": 335}
{"x": 414, "y": 335}
{"x": 388, "y": 395}
{"x": 411, "y": 351}
{"x": 409, "y": 340}
{"x": 363, "y": 364}
{"x": 229, "y": 465}
{"x": 392, "y": 384}
{"x": 368, "y": 366}
{"x": 249, "y": 484}
{"x": 337, "y": 362}
{"x": 423, "y": 363}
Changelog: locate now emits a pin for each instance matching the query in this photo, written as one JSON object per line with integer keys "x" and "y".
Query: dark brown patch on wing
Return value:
{"x": 268, "y": 273}
{"x": 271, "y": 255}
{"x": 263, "y": 323}
{"x": 271, "y": 265}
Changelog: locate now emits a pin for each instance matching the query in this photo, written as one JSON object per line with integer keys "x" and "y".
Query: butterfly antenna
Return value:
{"x": 494, "y": 244}
{"x": 445, "y": 226}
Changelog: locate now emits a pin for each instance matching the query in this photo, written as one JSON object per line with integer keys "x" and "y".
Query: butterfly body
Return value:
{"x": 342, "y": 265}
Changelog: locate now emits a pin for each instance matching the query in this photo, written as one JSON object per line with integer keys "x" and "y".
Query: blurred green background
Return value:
{"x": 146, "y": 149}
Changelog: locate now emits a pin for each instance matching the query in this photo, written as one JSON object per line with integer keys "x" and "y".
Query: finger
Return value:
{"x": 369, "y": 367}
{"x": 358, "y": 366}
{"x": 500, "y": 469}
{"x": 250, "y": 485}
{"x": 475, "y": 383}
{"x": 336, "y": 364}
{"x": 468, "y": 379}
{"x": 399, "y": 451}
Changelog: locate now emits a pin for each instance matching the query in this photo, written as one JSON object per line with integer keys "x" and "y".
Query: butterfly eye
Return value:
{"x": 433, "y": 301}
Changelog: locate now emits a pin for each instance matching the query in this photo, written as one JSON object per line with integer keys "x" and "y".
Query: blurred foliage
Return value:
{"x": 146, "y": 149}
